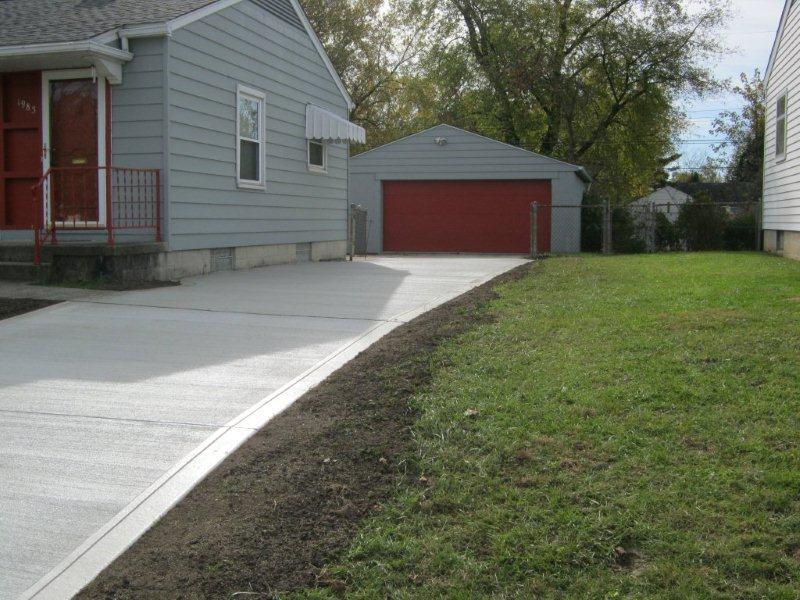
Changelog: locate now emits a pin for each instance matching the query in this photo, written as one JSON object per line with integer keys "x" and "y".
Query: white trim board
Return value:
{"x": 261, "y": 98}
{"x": 66, "y": 74}
{"x": 88, "y": 46}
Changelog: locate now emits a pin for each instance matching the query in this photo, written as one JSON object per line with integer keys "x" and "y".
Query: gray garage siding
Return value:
{"x": 465, "y": 156}
{"x": 245, "y": 44}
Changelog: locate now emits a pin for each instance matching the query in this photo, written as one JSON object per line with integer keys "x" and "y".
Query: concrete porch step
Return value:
{"x": 21, "y": 271}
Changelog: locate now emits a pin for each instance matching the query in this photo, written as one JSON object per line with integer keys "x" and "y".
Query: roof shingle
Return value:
{"x": 43, "y": 21}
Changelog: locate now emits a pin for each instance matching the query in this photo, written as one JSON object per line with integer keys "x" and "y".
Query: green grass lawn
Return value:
{"x": 628, "y": 427}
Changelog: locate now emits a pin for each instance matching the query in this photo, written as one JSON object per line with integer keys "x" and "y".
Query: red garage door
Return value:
{"x": 464, "y": 216}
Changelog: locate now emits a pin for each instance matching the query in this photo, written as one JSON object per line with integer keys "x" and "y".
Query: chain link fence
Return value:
{"x": 646, "y": 227}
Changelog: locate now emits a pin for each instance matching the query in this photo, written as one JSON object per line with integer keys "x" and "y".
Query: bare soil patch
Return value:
{"x": 11, "y": 307}
{"x": 269, "y": 518}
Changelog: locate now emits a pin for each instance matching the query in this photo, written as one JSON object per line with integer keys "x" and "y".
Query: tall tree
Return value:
{"x": 547, "y": 55}
{"x": 744, "y": 132}
{"x": 577, "y": 78}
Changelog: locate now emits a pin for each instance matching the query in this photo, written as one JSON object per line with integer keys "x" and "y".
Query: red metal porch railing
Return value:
{"x": 110, "y": 199}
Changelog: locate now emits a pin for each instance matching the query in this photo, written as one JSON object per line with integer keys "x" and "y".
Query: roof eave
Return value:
{"x": 86, "y": 46}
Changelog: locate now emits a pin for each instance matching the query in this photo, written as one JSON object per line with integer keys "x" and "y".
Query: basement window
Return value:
{"x": 249, "y": 137}
{"x": 317, "y": 156}
{"x": 781, "y": 127}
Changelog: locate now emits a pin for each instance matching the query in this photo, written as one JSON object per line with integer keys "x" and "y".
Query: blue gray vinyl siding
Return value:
{"x": 138, "y": 108}
{"x": 464, "y": 156}
{"x": 137, "y": 117}
{"x": 245, "y": 44}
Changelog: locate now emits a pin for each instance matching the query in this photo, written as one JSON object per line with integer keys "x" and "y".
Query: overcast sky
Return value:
{"x": 750, "y": 33}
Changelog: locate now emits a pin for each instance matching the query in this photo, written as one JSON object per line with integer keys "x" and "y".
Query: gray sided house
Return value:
{"x": 199, "y": 134}
{"x": 449, "y": 190}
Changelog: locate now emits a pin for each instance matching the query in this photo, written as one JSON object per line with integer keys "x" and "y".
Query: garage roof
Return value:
{"x": 449, "y": 151}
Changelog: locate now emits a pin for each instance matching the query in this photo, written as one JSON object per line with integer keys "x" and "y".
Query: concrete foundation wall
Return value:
{"x": 186, "y": 263}
{"x": 150, "y": 262}
{"x": 328, "y": 250}
{"x": 791, "y": 243}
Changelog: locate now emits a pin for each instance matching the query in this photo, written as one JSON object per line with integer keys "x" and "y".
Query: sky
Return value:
{"x": 750, "y": 33}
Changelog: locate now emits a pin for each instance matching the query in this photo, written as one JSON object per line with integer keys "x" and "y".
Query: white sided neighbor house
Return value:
{"x": 782, "y": 139}
{"x": 165, "y": 138}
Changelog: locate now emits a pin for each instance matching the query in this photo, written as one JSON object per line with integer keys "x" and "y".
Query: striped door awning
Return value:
{"x": 324, "y": 125}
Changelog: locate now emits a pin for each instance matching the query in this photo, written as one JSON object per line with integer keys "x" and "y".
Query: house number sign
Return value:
{"x": 26, "y": 106}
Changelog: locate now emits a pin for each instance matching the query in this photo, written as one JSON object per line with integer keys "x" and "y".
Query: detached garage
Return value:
{"x": 448, "y": 190}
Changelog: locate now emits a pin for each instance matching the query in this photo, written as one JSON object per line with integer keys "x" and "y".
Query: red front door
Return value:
{"x": 73, "y": 146}
{"x": 464, "y": 216}
{"x": 20, "y": 147}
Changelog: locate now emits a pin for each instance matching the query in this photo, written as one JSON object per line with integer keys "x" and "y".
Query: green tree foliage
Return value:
{"x": 745, "y": 130}
{"x": 593, "y": 82}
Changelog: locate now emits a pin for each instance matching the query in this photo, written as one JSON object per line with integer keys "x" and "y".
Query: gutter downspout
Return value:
{"x": 124, "y": 42}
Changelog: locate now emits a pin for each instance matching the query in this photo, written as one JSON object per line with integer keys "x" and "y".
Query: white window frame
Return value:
{"x": 785, "y": 118}
{"x": 261, "y": 98}
{"x": 317, "y": 168}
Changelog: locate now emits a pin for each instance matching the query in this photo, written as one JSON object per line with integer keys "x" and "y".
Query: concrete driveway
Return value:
{"x": 112, "y": 406}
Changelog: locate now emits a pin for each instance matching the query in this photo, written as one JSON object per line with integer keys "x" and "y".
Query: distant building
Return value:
{"x": 667, "y": 200}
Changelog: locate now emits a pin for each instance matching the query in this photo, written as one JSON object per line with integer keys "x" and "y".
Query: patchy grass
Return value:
{"x": 626, "y": 427}
{"x": 11, "y": 307}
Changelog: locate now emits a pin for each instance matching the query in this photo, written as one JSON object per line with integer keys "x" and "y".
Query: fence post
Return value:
{"x": 158, "y": 205}
{"x": 109, "y": 204}
{"x": 607, "y": 233}
{"x": 534, "y": 230}
{"x": 351, "y": 232}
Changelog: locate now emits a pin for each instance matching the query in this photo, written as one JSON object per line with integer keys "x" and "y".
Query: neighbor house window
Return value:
{"x": 780, "y": 127}
{"x": 317, "y": 156}
{"x": 250, "y": 137}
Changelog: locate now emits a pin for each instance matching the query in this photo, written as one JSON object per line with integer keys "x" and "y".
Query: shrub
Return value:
{"x": 666, "y": 235}
{"x": 591, "y": 227}
{"x": 740, "y": 231}
{"x": 701, "y": 224}
{"x": 625, "y": 233}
